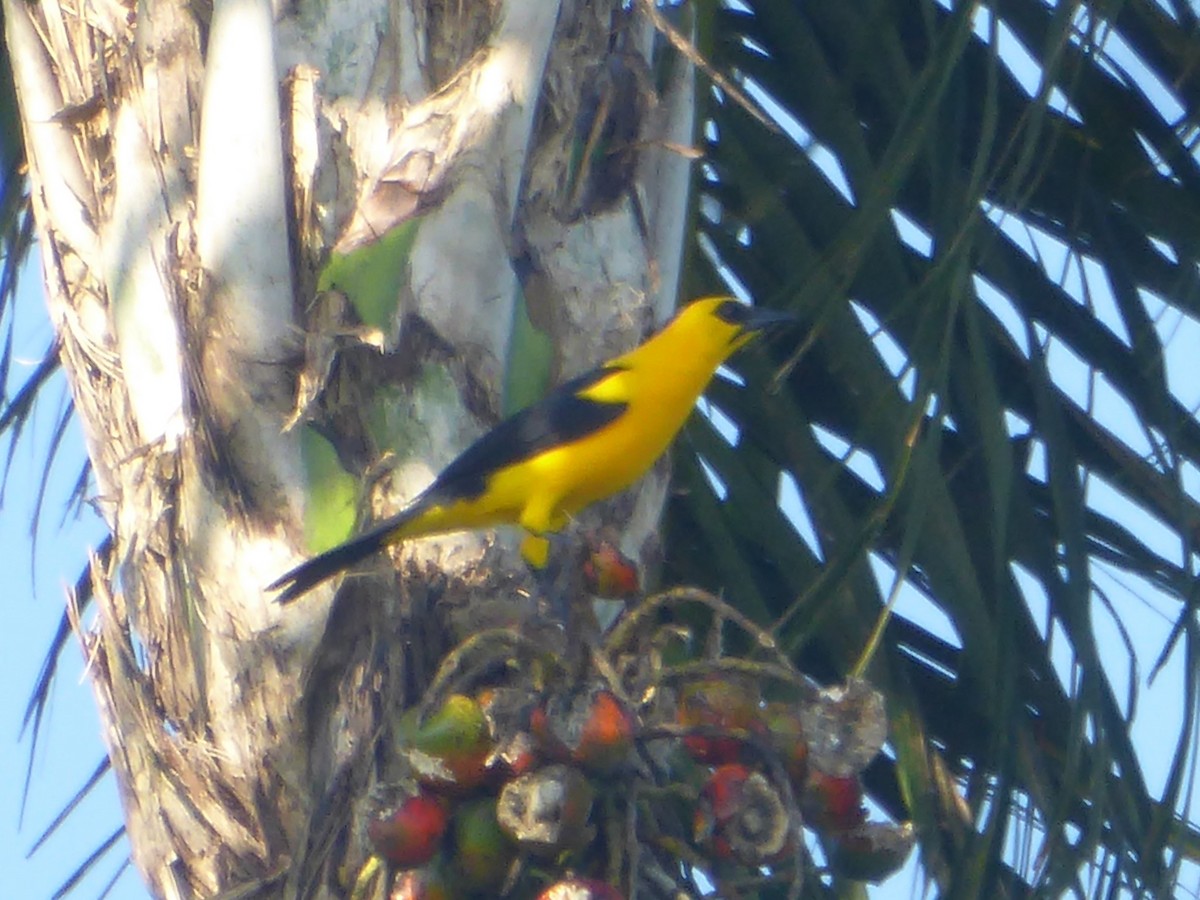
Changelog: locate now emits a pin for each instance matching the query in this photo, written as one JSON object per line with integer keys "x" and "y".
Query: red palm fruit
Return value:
{"x": 832, "y": 803}
{"x": 607, "y": 735}
{"x": 607, "y": 572}
{"x": 589, "y": 727}
{"x": 408, "y": 825}
{"x": 483, "y": 852}
{"x": 450, "y": 750}
{"x": 718, "y": 705}
{"x": 741, "y": 816}
{"x": 580, "y": 889}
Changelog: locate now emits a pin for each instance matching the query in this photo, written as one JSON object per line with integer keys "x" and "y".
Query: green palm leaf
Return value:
{"x": 1004, "y": 204}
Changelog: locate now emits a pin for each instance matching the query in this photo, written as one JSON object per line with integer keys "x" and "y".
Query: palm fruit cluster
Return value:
{"x": 764, "y": 762}
{"x": 499, "y": 794}
{"x": 557, "y": 777}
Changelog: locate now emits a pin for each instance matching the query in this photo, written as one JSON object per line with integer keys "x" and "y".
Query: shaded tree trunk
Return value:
{"x": 192, "y": 179}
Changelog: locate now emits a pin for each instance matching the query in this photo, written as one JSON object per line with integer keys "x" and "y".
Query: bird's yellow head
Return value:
{"x": 722, "y": 325}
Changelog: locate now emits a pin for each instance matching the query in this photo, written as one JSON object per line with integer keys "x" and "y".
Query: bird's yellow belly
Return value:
{"x": 569, "y": 478}
{"x": 542, "y": 493}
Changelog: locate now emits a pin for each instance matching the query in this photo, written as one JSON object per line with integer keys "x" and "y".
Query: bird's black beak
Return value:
{"x": 763, "y": 319}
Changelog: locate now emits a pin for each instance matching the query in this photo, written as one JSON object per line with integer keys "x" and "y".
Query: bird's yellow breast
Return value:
{"x": 559, "y": 482}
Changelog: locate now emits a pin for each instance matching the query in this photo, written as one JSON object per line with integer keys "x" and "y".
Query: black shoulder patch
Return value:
{"x": 562, "y": 416}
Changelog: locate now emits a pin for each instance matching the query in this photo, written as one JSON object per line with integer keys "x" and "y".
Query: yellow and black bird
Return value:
{"x": 586, "y": 440}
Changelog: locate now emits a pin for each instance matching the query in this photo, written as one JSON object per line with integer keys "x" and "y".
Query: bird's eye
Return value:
{"x": 733, "y": 312}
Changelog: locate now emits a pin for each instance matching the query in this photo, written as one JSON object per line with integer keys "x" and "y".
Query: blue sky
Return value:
{"x": 70, "y": 745}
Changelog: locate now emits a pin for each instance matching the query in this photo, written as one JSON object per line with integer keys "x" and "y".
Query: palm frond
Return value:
{"x": 15, "y": 414}
{"x": 88, "y": 864}
{"x": 102, "y": 769}
{"x": 1008, "y": 197}
{"x": 39, "y": 696}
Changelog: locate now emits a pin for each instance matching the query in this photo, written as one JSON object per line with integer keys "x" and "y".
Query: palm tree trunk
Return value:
{"x": 190, "y": 179}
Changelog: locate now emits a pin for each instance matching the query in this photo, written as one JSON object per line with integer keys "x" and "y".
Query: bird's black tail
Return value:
{"x": 313, "y": 571}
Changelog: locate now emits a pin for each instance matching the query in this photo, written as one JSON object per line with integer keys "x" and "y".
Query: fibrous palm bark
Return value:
{"x": 193, "y": 171}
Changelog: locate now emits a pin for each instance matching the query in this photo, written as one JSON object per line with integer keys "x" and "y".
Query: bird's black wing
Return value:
{"x": 562, "y": 416}
{"x": 559, "y": 418}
